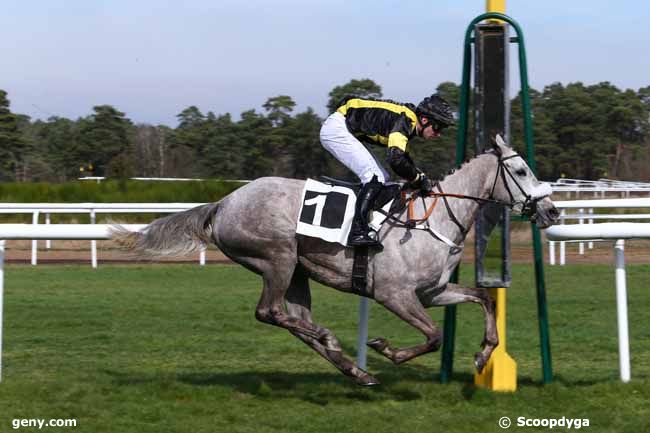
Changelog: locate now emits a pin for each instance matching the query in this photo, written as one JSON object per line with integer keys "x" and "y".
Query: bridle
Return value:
{"x": 528, "y": 205}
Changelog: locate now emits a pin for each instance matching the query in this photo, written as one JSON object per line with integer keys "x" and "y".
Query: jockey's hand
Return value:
{"x": 423, "y": 183}
{"x": 426, "y": 185}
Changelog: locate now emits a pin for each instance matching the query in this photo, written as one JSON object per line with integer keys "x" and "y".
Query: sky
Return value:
{"x": 153, "y": 58}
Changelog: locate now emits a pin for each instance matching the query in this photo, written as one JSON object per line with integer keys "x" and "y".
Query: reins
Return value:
{"x": 408, "y": 200}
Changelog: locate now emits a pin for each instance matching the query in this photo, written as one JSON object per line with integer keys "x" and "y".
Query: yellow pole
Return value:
{"x": 500, "y": 373}
{"x": 495, "y": 6}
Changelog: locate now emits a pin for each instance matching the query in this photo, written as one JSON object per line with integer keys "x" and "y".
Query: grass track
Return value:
{"x": 177, "y": 349}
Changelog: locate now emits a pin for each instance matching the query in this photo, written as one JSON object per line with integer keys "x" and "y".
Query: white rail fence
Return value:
{"x": 599, "y": 188}
{"x": 582, "y": 212}
{"x": 55, "y": 231}
{"x": 617, "y": 232}
{"x": 90, "y": 209}
{"x": 99, "y": 179}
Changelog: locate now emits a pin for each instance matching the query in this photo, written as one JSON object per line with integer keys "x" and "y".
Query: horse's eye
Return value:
{"x": 521, "y": 172}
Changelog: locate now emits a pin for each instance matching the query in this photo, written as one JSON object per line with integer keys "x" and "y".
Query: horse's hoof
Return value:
{"x": 479, "y": 362}
{"x": 378, "y": 344}
{"x": 367, "y": 380}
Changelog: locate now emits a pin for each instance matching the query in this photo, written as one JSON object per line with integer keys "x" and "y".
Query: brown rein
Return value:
{"x": 411, "y": 203}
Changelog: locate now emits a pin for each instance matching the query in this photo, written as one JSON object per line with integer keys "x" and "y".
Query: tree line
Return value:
{"x": 580, "y": 131}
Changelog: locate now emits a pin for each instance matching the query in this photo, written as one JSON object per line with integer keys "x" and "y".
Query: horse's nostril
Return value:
{"x": 554, "y": 213}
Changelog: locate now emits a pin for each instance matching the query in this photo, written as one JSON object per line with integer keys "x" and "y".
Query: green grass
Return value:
{"x": 110, "y": 191}
{"x": 176, "y": 348}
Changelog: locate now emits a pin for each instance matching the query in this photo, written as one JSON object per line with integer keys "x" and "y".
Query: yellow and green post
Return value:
{"x": 500, "y": 374}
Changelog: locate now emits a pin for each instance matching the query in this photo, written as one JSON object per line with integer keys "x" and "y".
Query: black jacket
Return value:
{"x": 386, "y": 123}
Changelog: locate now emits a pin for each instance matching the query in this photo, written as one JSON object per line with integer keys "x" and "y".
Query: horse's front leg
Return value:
{"x": 455, "y": 294}
{"x": 407, "y": 306}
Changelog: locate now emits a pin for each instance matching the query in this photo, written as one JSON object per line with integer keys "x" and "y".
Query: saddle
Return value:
{"x": 390, "y": 191}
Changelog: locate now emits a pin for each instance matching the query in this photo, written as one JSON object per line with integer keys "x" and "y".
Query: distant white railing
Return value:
{"x": 585, "y": 215}
{"x": 618, "y": 232}
{"x": 92, "y": 209}
{"x": 598, "y": 188}
{"x": 98, "y": 179}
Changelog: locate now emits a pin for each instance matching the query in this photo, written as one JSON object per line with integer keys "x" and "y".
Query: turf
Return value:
{"x": 176, "y": 348}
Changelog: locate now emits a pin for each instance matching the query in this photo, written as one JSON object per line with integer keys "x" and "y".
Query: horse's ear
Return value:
{"x": 498, "y": 144}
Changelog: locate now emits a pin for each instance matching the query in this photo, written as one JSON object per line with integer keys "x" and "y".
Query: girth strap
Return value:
{"x": 360, "y": 269}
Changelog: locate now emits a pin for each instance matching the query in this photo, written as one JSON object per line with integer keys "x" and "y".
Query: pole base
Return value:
{"x": 500, "y": 373}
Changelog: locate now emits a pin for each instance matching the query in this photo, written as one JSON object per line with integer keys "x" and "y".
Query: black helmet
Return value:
{"x": 437, "y": 109}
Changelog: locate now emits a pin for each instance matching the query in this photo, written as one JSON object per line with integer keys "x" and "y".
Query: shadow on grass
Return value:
{"x": 469, "y": 389}
{"x": 316, "y": 388}
{"x": 400, "y": 384}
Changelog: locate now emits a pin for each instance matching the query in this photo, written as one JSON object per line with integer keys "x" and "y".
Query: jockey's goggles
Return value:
{"x": 437, "y": 126}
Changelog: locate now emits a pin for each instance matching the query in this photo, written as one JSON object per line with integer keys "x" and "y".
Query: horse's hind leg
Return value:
{"x": 298, "y": 296}
{"x": 409, "y": 309}
{"x": 282, "y": 286}
{"x": 270, "y": 308}
{"x": 455, "y": 294}
{"x": 298, "y": 301}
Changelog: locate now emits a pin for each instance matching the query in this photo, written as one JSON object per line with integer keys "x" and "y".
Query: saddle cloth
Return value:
{"x": 326, "y": 212}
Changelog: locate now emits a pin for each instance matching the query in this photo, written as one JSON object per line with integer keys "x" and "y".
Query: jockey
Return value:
{"x": 384, "y": 123}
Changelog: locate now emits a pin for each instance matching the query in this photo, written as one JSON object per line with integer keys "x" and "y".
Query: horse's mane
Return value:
{"x": 454, "y": 170}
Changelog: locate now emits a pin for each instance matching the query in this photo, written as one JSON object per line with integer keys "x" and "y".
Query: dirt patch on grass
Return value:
{"x": 62, "y": 251}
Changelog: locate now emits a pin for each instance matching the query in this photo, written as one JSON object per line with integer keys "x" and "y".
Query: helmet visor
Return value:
{"x": 437, "y": 125}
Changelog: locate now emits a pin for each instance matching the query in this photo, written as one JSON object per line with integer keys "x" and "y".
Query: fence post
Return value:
{"x": 581, "y": 245}
{"x": 562, "y": 243}
{"x": 93, "y": 243}
{"x": 621, "y": 311}
{"x": 551, "y": 253}
{"x": 48, "y": 243}
{"x": 34, "y": 241}
{"x": 591, "y": 221}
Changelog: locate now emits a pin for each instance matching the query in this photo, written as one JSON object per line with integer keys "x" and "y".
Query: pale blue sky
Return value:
{"x": 151, "y": 59}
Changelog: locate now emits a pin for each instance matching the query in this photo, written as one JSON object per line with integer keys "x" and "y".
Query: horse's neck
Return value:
{"x": 470, "y": 180}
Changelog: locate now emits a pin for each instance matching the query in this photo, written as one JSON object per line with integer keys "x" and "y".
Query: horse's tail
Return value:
{"x": 175, "y": 235}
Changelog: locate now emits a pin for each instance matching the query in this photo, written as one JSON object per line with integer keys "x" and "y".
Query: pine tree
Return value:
{"x": 12, "y": 143}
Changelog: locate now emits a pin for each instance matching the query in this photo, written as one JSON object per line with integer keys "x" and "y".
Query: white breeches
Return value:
{"x": 335, "y": 137}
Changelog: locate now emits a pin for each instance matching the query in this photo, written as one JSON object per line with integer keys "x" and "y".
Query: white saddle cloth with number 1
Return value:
{"x": 326, "y": 212}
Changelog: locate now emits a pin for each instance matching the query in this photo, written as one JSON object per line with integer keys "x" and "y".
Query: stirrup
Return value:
{"x": 365, "y": 239}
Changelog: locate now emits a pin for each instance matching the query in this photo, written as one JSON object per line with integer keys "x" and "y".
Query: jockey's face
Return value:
{"x": 427, "y": 129}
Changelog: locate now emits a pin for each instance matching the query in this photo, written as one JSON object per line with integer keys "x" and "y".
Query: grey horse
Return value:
{"x": 255, "y": 226}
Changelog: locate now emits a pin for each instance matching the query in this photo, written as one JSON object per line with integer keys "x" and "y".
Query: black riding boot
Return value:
{"x": 360, "y": 233}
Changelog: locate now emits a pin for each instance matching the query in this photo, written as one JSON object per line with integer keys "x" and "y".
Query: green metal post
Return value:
{"x": 449, "y": 326}
{"x": 461, "y": 141}
{"x": 542, "y": 313}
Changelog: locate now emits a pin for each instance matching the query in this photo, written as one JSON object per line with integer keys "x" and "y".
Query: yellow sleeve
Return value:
{"x": 398, "y": 140}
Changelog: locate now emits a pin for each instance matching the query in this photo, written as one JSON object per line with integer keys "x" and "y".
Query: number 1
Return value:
{"x": 319, "y": 201}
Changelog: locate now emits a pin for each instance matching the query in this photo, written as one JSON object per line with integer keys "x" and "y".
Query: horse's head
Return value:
{"x": 515, "y": 184}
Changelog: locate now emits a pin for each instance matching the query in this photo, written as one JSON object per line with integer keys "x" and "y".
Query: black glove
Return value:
{"x": 423, "y": 183}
